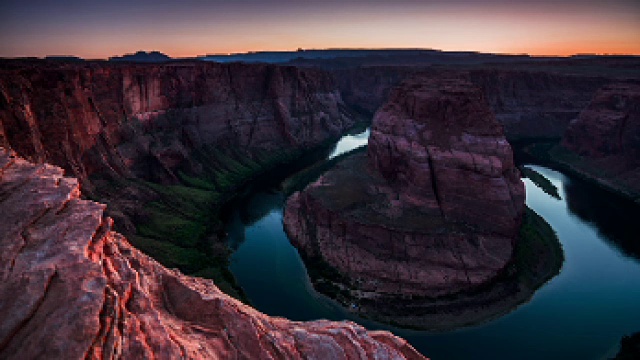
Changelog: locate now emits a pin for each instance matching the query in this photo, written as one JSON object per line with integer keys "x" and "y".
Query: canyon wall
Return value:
{"x": 71, "y": 288}
{"x": 529, "y": 103}
{"x": 536, "y": 103}
{"x": 603, "y": 143}
{"x": 146, "y": 120}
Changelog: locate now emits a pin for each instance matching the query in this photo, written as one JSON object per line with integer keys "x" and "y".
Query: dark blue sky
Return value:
{"x": 98, "y": 29}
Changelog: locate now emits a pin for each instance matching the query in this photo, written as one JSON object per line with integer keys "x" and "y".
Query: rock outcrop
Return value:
{"x": 432, "y": 210}
{"x": 606, "y": 138}
{"x": 439, "y": 143}
{"x": 72, "y": 288}
{"x": 609, "y": 126}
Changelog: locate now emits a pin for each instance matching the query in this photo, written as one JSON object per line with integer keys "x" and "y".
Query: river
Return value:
{"x": 582, "y": 313}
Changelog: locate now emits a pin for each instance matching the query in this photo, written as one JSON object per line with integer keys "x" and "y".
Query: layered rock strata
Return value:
{"x": 534, "y": 103}
{"x": 72, "y": 288}
{"x": 606, "y": 138}
{"x": 432, "y": 210}
{"x": 145, "y": 120}
{"x": 123, "y": 129}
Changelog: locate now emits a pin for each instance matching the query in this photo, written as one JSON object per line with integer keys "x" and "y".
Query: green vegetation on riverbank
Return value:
{"x": 538, "y": 255}
{"x": 301, "y": 179}
{"x": 181, "y": 224}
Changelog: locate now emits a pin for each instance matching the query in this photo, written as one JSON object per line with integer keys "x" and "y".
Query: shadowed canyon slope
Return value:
{"x": 146, "y": 120}
{"x": 71, "y": 288}
{"x": 432, "y": 210}
{"x": 606, "y": 138}
{"x": 530, "y": 103}
{"x": 165, "y": 145}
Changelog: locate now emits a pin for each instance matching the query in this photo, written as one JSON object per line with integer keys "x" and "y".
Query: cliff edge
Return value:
{"x": 72, "y": 288}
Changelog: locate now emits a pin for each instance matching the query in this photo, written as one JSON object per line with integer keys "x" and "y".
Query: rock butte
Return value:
{"x": 433, "y": 209}
{"x": 71, "y": 288}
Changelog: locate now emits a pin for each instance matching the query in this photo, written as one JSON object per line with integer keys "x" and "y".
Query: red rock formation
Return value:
{"x": 609, "y": 126}
{"x": 439, "y": 141}
{"x": 129, "y": 118}
{"x": 529, "y": 104}
{"x": 537, "y": 103}
{"x": 436, "y": 210}
{"x": 71, "y": 288}
{"x": 607, "y": 137}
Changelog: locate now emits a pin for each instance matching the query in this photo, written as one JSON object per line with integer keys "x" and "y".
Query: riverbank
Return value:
{"x": 538, "y": 257}
{"x": 606, "y": 176}
{"x": 182, "y": 225}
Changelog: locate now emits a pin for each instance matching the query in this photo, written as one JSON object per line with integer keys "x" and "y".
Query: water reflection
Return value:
{"x": 350, "y": 142}
{"x": 615, "y": 220}
{"x": 581, "y": 314}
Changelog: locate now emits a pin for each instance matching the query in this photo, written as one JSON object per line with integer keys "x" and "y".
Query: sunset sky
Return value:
{"x": 99, "y": 29}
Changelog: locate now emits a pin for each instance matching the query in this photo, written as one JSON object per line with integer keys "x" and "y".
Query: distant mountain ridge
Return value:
{"x": 349, "y": 58}
{"x": 143, "y": 56}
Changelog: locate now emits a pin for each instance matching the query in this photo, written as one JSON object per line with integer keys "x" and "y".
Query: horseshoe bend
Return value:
{"x": 420, "y": 231}
{"x": 126, "y": 194}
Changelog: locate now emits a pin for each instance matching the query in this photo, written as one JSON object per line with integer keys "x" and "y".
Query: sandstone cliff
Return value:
{"x": 530, "y": 103}
{"x": 165, "y": 145}
{"x": 146, "y": 120}
{"x": 432, "y": 210}
{"x": 604, "y": 141}
{"x": 72, "y": 288}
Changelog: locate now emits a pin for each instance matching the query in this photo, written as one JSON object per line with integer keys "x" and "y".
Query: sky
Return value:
{"x": 99, "y": 29}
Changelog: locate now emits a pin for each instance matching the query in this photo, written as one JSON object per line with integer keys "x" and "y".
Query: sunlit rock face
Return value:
{"x": 71, "y": 288}
{"x": 432, "y": 209}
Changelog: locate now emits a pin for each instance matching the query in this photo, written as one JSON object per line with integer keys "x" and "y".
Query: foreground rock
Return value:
{"x": 71, "y": 288}
{"x": 606, "y": 139}
{"x": 432, "y": 210}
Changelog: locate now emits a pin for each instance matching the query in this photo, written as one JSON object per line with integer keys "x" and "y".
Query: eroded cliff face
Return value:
{"x": 72, "y": 288}
{"x": 609, "y": 126}
{"x": 529, "y": 104}
{"x": 433, "y": 209}
{"x": 146, "y": 120}
{"x": 606, "y": 138}
{"x": 438, "y": 141}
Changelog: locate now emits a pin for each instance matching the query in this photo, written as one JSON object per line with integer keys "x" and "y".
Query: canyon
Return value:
{"x": 165, "y": 146}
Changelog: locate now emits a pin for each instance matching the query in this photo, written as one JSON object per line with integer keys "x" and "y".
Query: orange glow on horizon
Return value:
{"x": 533, "y": 28}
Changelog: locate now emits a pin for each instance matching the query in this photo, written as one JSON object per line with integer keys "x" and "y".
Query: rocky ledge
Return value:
{"x": 72, "y": 288}
{"x": 432, "y": 211}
